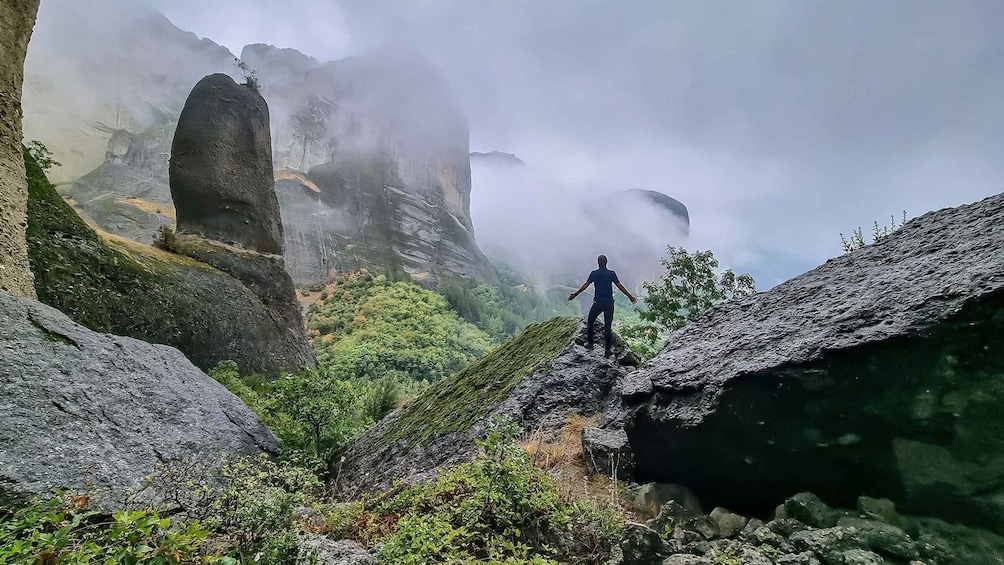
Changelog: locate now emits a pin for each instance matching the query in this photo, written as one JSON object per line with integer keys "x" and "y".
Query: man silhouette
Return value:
{"x": 602, "y": 280}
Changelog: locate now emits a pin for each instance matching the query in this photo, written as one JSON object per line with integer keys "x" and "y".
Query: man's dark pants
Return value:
{"x": 607, "y": 308}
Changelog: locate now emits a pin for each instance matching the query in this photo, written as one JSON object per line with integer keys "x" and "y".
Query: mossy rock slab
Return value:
{"x": 539, "y": 378}
{"x": 116, "y": 286}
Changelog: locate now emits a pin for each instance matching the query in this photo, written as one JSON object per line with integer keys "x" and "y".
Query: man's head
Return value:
{"x": 602, "y": 261}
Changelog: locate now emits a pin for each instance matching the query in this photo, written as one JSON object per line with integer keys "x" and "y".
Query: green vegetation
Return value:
{"x": 250, "y": 75}
{"x": 63, "y": 530}
{"x": 41, "y": 154}
{"x": 689, "y": 287}
{"x": 502, "y": 311}
{"x": 500, "y": 508}
{"x": 458, "y": 401}
{"x": 368, "y": 327}
{"x": 857, "y": 239}
{"x": 312, "y": 413}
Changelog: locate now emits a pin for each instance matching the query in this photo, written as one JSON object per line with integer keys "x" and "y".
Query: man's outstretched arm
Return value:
{"x": 626, "y": 293}
{"x": 582, "y": 288}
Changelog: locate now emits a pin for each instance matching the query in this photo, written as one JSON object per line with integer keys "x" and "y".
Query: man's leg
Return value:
{"x": 594, "y": 311}
{"x": 608, "y": 320}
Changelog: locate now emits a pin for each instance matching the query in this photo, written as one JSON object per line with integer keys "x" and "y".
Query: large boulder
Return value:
{"x": 242, "y": 310}
{"x": 539, "y": 379}
{"x": 17, "y": 18}
{"x": 877, "y": 373}
{"x": 84, "y": 410}
{"x": 221, "y": 166}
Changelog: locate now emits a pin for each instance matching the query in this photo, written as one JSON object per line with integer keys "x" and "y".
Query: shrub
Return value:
{"x": 41, "y": 154}
{"x": 857, "y": 239}
{"x": 166, "y": 239}
{"x": 63, "y": 529}
{"x": 250, "y": 75}
{"x": 247, "y": 502}
{"x": 690, "y": 286}
{"x": 500, "y": 508}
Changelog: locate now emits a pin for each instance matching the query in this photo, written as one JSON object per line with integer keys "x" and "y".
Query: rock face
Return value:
{"x": 539, "y": 378}
{"x": 878, "y": 373}
{"x": 113, "y": 285}
{"x": 370, "y": 178}
{"x": 86, "y": 409}
{"x": 221, "y": 167}
{"x": 17, "y": 18}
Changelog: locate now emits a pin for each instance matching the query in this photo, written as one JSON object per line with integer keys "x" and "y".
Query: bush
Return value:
{"x": 500, "y": 508}
{"x": 247, "y": 503}
{"x": 63, "y": 530}
{"x": 313, "y": 414}
{"x": 41, "y": 154}
{"x": 166, "y": 239}
{"x": 857, "y": 239}
{"x": 690, "y": 286}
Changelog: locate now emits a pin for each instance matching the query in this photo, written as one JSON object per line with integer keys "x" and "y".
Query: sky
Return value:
{"x": 779, "y": 123}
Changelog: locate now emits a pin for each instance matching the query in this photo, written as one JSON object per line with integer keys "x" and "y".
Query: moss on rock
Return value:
{"x": 126, "y": 288}
{"x": 458, "y": 401}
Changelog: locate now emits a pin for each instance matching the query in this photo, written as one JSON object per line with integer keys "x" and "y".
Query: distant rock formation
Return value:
{"x": 667, "y": 203}
{"x": 497, "y": 158}
{"x": 113, "y": 285}
{"x": 876, "y": 373}
{"x": 17, "y": 18}
{"x": 88, "y": 410}
{"x": 539, "y": 378}
{"x": 375, "y": 167}
{"x": 221, "y": 167}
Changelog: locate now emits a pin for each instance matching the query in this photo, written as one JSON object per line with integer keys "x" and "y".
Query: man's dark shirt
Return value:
{"x": 603, "y": 282}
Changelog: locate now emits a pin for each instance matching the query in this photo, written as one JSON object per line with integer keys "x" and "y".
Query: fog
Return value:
{"x": 778, "y": 123}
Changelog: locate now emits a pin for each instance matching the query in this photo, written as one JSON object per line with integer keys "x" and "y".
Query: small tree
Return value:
{"x": 689, "y": 287}
{"x": 857, "y": 239}
{"x": 250, "y": 75}
{"x": 41, "y": 154}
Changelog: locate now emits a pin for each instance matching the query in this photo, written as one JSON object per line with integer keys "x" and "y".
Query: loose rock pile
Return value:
{"x": 804, "y": 531}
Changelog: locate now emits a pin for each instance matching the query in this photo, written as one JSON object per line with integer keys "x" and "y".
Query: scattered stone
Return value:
{"x": 808, "y": 509}
{"x": 883, "y": 538}
{"x": 606, "y": 452}
{"x": 331, "y": 552}
{"x": 646, "y": 500}
{"x": 881, "y": 509}
{"x": 642, "y": 545}
{"x": 685, "y": 559}
{"x": 728, "y": 524}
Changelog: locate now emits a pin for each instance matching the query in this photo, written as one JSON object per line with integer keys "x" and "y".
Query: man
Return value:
{"x": 602, "y": 280}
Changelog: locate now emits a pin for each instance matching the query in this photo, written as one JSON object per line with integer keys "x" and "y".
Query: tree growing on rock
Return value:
{"x": 690, "y": 286}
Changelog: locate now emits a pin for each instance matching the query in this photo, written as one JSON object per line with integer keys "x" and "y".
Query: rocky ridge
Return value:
{"x": 539, "y": 379}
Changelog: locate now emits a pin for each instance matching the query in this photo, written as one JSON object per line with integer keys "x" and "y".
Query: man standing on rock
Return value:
{"x": 602, "y": 280}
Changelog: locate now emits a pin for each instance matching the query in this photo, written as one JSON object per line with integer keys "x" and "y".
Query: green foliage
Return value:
{"x": 500, "y": 508}
{"x": 370, "y": 327}
{"x": 250, "y": 75}
{"x": 247, "y": 503}
{"x": 312, "y": 413}
{"x": 41, "y": 154}
{"x": 63, "y": 530}
{"x": 458, "y": 401}
{"x": 688, "y": 288}
{"x": 857, "y": 239}
{"x": 166, "y": 239}
{"x": 502, "y": 311}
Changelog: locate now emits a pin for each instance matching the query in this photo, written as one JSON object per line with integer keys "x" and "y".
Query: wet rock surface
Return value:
{"x": 82, "y": 409}
{"x": 877, "y": 373}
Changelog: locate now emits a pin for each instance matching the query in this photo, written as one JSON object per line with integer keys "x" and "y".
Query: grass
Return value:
{"x": 458, "y": 401}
